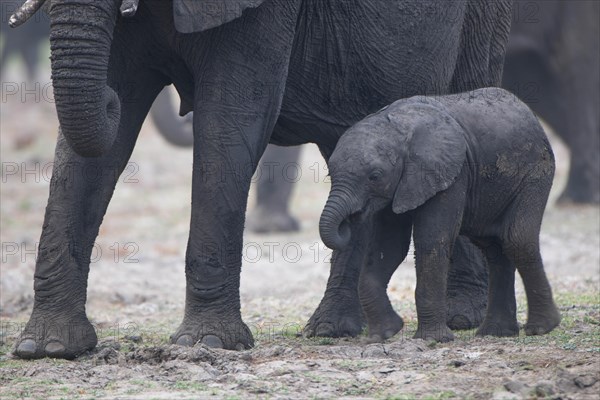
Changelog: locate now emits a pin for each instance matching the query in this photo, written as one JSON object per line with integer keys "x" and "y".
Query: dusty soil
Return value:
{"x": 136, "y": 293}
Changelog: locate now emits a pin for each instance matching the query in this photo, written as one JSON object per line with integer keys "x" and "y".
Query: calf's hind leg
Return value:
{"x": 522, "y": 246}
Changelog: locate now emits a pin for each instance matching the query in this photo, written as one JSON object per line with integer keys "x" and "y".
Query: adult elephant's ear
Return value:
{"x": 200, "y": 15}
{"x": 435, "y": 156}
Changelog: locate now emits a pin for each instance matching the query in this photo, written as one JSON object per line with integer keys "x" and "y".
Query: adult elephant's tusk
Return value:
{"x": 129, "y": 8}
{"x": 25, "y": 12}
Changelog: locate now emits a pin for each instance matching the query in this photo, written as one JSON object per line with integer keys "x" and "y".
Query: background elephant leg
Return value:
{"x": 581, "y": 134}
{"x": 467, "y": 286}
{"x": 388, "y": 248}
{"x": 80, "y": 191}
{"x": 30, "y": 58}
{"x": 273, "y": 191}
{"x": 339, "y": 313}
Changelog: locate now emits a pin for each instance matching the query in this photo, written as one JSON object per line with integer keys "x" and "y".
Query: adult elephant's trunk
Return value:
{"x": 334, "y": 226}
{"x": 88, "y": 110}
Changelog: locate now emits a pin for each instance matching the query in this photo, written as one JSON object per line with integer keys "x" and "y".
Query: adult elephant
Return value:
{"x": 288, "y": 71}
{"x": 552, "y": 63}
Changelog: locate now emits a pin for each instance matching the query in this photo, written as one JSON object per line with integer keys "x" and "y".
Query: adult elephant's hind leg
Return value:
{"x": 501, "y": 315}
{"x": 467, "y": 286}
{"x": 231, "y": 130}
{"x": 80, "y": 191}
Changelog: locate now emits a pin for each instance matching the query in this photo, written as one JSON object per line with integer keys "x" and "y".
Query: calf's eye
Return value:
{"x": 375, "y": 176}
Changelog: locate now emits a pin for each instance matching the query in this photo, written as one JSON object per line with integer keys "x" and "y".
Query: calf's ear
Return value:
{"x": 200, "y": 15}
{"x": 435, "y": 156}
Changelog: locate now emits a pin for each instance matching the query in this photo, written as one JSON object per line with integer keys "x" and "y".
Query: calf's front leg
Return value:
{"x": 436, "y": 227}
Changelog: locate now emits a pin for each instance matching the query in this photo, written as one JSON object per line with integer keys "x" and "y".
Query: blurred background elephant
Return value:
{"x": 552, "y": 63}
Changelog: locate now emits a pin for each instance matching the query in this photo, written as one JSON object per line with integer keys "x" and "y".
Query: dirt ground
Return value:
{"x": 136, "y": 294}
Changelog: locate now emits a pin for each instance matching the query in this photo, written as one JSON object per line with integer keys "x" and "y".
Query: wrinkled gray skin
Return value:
{"x": 287, "y": 71}
{"x": 273, "y": 188}
{"x": 552, "y": 64}
{"x": 478, "y": 164}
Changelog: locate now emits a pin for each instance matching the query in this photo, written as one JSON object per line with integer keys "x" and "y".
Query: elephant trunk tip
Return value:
{"x": 337, "y": 237}
{"x": 96, "y": 136}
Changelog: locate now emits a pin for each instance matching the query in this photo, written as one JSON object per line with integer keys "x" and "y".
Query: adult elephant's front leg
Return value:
{"x": 80, "y": 191}
{"x": 339, "y": 314}
{"x": 238, "y": 97}
{"x": 221, "y": 180}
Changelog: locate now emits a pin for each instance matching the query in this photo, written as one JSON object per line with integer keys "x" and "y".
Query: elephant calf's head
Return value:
{"x": 403, "y": 154}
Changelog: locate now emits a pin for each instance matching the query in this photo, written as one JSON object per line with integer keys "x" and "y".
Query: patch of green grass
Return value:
{"x": 190, "y": 386}
{"x": 354, "y": 388}
{"x": 446, "y": 394}
{"x": 14, "y": 363}
{"x": 568, "y": 299}
{"x": 353, "y": 365}
{"x": 30, "y": 387}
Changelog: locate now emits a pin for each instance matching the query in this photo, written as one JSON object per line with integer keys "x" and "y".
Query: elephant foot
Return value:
{"x": 501, "y": 328}
{"x": 47, "y": 335}
{"x": 438, "y": 332}
{"x": 266, "y": 221}
{"x": 336, "y": 318}
{"x": 221, "y": 334}
{"x": 542, "y": 324}
{"x": 465, "y": 312}
{"x": 386, "y": 328}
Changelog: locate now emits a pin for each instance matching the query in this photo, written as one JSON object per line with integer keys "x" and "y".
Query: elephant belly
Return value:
{"x": 351, "y": 58}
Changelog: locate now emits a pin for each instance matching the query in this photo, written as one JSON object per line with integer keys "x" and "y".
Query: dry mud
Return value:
{"x": 136, "y": 294}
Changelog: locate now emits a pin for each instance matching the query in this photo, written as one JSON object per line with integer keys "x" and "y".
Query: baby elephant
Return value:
{"x": 476, "y": 164}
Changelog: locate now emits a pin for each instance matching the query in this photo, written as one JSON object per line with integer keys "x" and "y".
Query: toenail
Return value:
{"x": 54, "y": 349}
{"x": 185, "y": 340}
{"x": 26, "y": 347}
{"x": 212, "y": 341}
